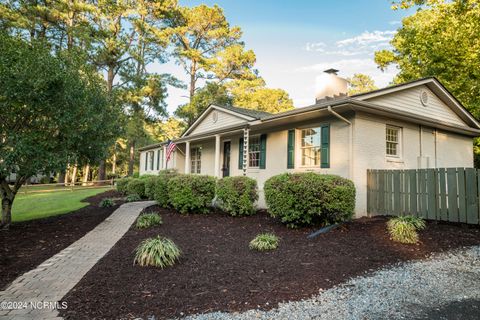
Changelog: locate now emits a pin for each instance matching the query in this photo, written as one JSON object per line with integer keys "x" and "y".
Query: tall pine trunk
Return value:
{"x": 86, "y": 174}
{"x": 102, "y": 174}
{"x": 131, "y": 160}
{"x": 74, "y": 174}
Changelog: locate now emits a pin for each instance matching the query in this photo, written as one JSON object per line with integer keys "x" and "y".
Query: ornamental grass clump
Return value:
{"x": 106, "y": 203}
{"x": 404, "y": 229}
{"x": 147, "y": 220}
{"x": 157, "y": 252}
{"x": 264, "y": 242}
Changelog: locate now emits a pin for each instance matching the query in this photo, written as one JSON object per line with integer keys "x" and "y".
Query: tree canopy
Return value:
{"x": 360, "y": 83}
{"x": 50, "y": 108}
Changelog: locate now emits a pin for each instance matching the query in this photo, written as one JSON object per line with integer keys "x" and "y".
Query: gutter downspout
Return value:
{"x": 350, "y": 151}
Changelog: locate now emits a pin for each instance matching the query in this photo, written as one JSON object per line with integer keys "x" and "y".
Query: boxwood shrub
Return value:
{"x": 300, "y": 199}
{"x": 237, "y": 195}
{"x": 136, "y": 186}
{"x": 160, "y": 191}
{"x": 150, "y": 183}
{"x": 122, "y": 184}
{"x": 191, "y": 193}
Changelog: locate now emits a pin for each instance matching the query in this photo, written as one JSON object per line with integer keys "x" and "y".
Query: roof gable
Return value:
{"x": 215, "y": 118}
{"x": 440, "y": 105}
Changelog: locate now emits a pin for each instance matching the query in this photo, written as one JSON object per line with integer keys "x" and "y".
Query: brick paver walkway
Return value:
{"x": 47, "y": 284}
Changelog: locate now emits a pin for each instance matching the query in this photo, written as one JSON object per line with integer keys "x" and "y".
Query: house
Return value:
{"x": 418, "y": 124}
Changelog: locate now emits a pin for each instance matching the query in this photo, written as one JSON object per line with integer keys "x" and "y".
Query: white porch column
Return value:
{"x": 164, "y": 159}
{"x": 187, "y": 157}
{"x": 216, "y": 169}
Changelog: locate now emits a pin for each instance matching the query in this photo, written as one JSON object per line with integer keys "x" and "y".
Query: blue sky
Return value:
{"x": 294, "y": 41}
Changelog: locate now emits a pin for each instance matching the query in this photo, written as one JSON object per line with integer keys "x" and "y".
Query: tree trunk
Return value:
{"x": 6, "y": 213}
{"x": 61, "y": 177}
{"x": 131, "y": 160}
{"x": 86, "y": 173}
{"x": 74, "y": 174}
{"x": 193, "y": 80}
{"x": 114, "y": 163}
{"x": 67, "y": 174}
{"x": 110, "y": 77}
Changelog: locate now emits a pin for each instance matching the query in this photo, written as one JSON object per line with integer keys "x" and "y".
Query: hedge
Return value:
{"x": 191, "y": 193}
{"x": 122, "y": 185}
{"x": 237, "y": 195}
{"x": 150, "y": 184}
{"x": 300, "y": 199}
{"x": 136, "y": 186}
{"x": 160, "y": 191}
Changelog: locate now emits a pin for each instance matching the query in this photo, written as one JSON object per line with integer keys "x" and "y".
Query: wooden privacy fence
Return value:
{"x": 448, "y": 194}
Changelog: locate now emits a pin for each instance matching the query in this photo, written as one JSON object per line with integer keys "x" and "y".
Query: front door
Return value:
{"x": 226, "y": 159}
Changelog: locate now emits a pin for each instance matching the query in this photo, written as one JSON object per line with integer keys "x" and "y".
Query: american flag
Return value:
{"x": 170, "y": 148}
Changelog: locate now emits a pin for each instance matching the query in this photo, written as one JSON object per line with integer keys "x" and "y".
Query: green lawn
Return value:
{"x": 40, "y": 205}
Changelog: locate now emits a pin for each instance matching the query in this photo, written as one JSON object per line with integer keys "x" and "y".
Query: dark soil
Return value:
{"x": 218, "y": 272}
{"x": 27, "y": 244}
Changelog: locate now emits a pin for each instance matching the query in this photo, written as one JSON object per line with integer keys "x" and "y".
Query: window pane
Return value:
{"x": 254, "y": 152}
{"x": 310, "y": 146}
{"x": 196, "y": 160}
{"x": 391, "y": 137}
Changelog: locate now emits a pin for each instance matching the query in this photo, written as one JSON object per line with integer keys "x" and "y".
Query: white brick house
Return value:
{"x": 413, "y": 125}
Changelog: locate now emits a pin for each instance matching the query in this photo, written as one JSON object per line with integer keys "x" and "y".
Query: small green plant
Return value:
{"x": 147, "y": 220}
{"x": 404, "y": 229}
{"x": 158, "y": 252}
{"x": 264, "y": 241}
{"x": 133, "y": 197}
{"x": 106, "y": 203}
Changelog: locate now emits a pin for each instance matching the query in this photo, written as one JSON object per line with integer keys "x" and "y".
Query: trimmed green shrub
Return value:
{"x": 160, "y": 192}
{"x": 150, "y": 183}
{"x": 237, "y": 195}
{"x": 122, "y": 184}
{"x": 404, "y": 229}
{"x": 264, "y": 241}
{"x": 106, "y": 203}
{"x": 309, "y": 198}
{"x": 136, "y": 186}
{"x": 133, "y": 197}
{"x": 147, "y": 220}
{"x": 158, "y": 252}
{"x": 191, "y": 192}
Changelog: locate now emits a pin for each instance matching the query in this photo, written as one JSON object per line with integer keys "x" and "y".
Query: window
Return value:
{"x": 254, "y": 152}
{"x": 310, "y": 146}
{"x": 150, "y": 159}
{"x": 196, "y": 159}
{"x": 392, "y": 141}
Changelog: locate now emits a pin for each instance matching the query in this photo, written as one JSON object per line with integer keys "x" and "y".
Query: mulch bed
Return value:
{"x": 218, "y": 272}
{"x": 27, "y": 244}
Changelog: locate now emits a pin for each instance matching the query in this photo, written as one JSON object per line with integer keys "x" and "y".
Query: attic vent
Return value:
{"x": 424, "y": 97}
{"x": 214, "y": 116}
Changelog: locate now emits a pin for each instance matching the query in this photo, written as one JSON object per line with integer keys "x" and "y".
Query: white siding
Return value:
{"x": 224, "y": 120}
{"x": 409, "y": 100}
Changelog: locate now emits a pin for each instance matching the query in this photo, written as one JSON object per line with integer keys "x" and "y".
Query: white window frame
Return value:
{"x": 160, "y": 159}
{"x": 196, "y": 159}
{"x": 301, "y": 148}
{"x": 251, "y": 152}
{"x": 398, "y": 143}
{"x": 151, "y": 160}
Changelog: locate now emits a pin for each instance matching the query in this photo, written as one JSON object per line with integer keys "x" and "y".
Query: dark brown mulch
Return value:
{"x": 27, "y": 244}
{"x": 218, "y": 272}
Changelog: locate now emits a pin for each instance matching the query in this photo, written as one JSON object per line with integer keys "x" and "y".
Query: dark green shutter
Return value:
{"x": 325, "y": 146}
{"x": 240, "y": 154}
{"x": 291, "y": 149}
{"x": 146, "y": 161}
{"x": 263, "y": 150}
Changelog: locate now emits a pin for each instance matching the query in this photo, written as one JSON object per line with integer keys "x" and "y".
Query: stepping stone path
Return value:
{"x": 34, "y": 294}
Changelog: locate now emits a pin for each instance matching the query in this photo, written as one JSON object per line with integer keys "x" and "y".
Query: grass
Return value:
{"x": 264, "y": 242}
{"x": 158, "y": 252}
{"x": 32, "y": 206}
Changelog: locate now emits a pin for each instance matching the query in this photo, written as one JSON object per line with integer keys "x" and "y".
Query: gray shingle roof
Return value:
{"x": 248, "y": 112}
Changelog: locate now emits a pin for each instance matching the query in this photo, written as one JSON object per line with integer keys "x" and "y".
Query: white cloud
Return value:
{"x": 367, "y": 38}
{"x": 348, "y": 67}
{"x": 315, "y": 46}
{"x": 394, "y": 22}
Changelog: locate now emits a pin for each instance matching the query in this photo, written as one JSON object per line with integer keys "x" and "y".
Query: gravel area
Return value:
{"x": 405, "y": 291}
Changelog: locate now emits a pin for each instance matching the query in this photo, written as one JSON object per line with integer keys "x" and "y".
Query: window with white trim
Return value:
{"x": 392, "y": 138}
{"x": 159, "y": 159}
{"x": 196, "y": 159}
{"x": 310, "y": 147}
{"x": 151, "y": 155}
{"x": 254, "y": 152}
